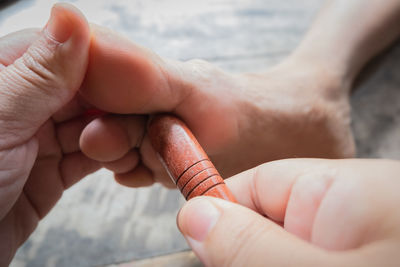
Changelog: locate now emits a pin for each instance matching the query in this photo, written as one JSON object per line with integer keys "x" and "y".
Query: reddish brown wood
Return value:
{"x": 185, "y": 160}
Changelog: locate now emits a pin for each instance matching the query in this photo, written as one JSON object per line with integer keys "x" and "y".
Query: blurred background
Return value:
{"x": 100, "y": 223}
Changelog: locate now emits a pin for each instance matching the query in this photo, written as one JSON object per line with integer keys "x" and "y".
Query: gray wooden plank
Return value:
{"x": 180, "y": 259}
{"x": 100, "y": 222}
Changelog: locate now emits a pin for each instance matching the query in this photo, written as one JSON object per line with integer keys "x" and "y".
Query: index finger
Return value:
{"x": 267, "y": 188}
{"x": 13, "y": 45}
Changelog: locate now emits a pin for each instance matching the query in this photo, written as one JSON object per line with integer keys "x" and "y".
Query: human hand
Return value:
{"x": 295, "y": 109}
{"x": 333, "y": 213}
{"x": 40, "y": 73}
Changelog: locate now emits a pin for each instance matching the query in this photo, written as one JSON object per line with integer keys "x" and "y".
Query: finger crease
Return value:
{"x": 31, "y": 203}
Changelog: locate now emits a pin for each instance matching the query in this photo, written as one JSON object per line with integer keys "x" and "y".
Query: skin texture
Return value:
{"x": 298, "y": 108}
{"x": 238, "y": 120}
{"x": 320, "y": 212}
{"x": 39, "y": 76}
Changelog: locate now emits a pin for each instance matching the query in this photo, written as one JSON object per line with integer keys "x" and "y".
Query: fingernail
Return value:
{"x": 197, "y": 218}
{"x": 58, "y": 27}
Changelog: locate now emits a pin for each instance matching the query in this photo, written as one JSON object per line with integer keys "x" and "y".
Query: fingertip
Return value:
{"x": 150, "y": 159}
{"x": 65, "y": 21}
{"x": 49, "y": 73}
{"x": 197, "y": 218}
{"x": 104, "y": 140}
{"x": 200, "y": 221}
{"x": 123, "y": 165}
{"x": 139, "y": 177}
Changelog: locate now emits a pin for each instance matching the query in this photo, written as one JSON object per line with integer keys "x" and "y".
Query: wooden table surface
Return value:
{"x": 98, "y": 222}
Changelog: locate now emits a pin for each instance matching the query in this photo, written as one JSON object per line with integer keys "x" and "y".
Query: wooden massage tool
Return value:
{"x": 185, "y": 160}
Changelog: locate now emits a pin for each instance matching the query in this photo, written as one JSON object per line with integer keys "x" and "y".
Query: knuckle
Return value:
{"x": 12, "y": 103}
{"x": 322, "y": 171}
{"x": 38, "y": 66}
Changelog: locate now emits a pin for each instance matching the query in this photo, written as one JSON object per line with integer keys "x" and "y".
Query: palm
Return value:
{"x": 58, "y": 165}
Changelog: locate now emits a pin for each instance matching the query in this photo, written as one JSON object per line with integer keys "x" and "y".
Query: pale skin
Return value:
{"x": 48, "y": 79}
{"x": 333, "y": 213}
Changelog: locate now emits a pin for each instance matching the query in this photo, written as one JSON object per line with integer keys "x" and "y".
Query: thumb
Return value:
{"x": 45, "y": 77}
{"x": 226, "y": 234}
